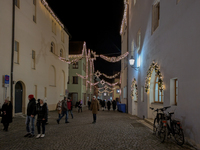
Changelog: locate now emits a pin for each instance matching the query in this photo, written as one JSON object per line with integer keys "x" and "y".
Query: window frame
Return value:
{"x": 155, "y": 22}
{"x": 158, "y": 92}
{"x": 16, "y": 42}
{"x": 17, "y": 3}
{"x": 52, "y": 49}
{"x": 75, "y": 78}
{"x": 175, "y": 91}
{"x": 75, "y": 65}
{"x": 33, "y": 59}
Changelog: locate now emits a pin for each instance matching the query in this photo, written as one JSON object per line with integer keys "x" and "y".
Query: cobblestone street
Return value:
{"x": 113, "y": 130}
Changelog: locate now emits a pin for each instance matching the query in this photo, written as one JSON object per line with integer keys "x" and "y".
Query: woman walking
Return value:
{"x": 41, "y": 111}
{"x": 6, "y": 114}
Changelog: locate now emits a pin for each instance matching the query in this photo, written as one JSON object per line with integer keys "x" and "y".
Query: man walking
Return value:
{"x": 95, "y": 108}
{"x": 70, "y": 106}
{"x": 64, "y": 111}
{"x": 30, "y": 119}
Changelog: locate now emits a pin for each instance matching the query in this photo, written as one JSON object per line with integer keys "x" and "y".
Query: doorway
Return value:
{"x": 18, "y": 97}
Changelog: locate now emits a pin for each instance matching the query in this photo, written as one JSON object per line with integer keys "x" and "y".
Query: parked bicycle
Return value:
{"x": 173, "y": 128}
{"x": 158, "y": 124}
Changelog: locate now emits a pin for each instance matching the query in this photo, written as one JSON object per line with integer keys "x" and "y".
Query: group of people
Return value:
{"x": 108, "y": 104}
{"x": 41, "y": 110}
{"x": 64, "y": 107}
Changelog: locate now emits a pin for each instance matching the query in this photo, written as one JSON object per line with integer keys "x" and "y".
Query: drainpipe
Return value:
{"x": 127, "y": 48}
{"x": 12, "y": 51}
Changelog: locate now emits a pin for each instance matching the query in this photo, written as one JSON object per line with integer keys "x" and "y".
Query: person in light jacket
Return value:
{"x": 95, "y": 108}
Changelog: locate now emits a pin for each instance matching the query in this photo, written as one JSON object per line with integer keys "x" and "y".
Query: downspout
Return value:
{"x": 127, "y": 48}
{"x": 12, "y": 51}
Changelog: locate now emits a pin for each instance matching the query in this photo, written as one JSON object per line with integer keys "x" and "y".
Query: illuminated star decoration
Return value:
{"x": 97, "y": 74}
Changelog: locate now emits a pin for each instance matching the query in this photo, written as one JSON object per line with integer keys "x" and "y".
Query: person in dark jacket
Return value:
{"x": 80, "y": 106}
{"x": 70, "y": 106}
{"x": 108, "y": 105}
{"x": 41, "y": 112}
{"x": 30, "y": 118}
{"x": 6, "y": 114}
{"x": 89, "y": 103}
{"x": 64, "y": 111}
{"x": 103, "y": 104}
{"x": 114, "y": 105}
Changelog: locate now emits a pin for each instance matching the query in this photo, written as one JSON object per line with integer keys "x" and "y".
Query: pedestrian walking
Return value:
{"x": 30, "y": 118}
{"x": 6, "y": 114}
{"x": 95, "y": 108}
{"x": 80, "y": 106}
{"x": 114, "y": 105}
{"x": 89, "y": 103}
{"x": 64, "y": 111}
{"x": 70, "y": 106}
{"x": 41, "y": 112}
{"x": 45, "y": 102}
{"x": 108, "y": 105}
{"x": 103, "y": 104}
{"x": 59, "y": 108}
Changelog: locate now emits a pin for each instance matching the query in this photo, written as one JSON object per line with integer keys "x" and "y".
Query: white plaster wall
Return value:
{"x": 174, "y": 46}
{"x": 37, "y": 36}
{"x": 5, "y": 44}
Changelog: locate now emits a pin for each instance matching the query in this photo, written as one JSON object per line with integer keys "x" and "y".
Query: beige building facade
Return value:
{"x": 39, "y": 39}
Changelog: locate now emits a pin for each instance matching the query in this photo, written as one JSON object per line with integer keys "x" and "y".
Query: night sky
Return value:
{"x": 97, "y": 22}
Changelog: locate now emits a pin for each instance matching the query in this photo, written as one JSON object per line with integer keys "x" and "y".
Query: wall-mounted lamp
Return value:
{"x": 131, "y": 62}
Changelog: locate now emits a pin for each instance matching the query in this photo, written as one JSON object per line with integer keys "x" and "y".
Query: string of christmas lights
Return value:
{"x": 98, "y": 74}
{"x": 114, "y": 59}
{"x": 83, "y": 77}
{"x": 124, "y": 20}
{"x": 134, "y": 86}
{"x": 158, "y": 73}
{"x": 51, "y": 12}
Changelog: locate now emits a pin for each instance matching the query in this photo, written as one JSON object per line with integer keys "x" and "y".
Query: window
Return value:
{"x": 33, "y": 59}
{"x": 61, "y": 53}
{"x": 75, "y": 79}
{"x": 158, "y": 97}
{"x": 138, "y": 41}
{"x": 45, "y": 92}
{"x": 176, "y": 91}
{"x": 155, "y": 16}
{"x": 68, "y": 80}
{"x": 34, "y": 11}
{"x": 53, "y": 27}
{"x": 75, "y": 65}
{"x": 52, "y": 76}
{"x": 84, "y": 82}
{"x": 52, "y": 47}
{"x": 17, "y": 3}
{"x": 16, "y": 53}
{"x": 84, "y": 67}
{"x": 62, "y": 37}
{"x": 35, "y": 92}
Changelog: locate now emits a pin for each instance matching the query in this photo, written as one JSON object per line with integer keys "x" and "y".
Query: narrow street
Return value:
{"x": 113, "y": 130}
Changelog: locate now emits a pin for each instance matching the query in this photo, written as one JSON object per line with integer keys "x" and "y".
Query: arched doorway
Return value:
{"x": 18, "y": 97}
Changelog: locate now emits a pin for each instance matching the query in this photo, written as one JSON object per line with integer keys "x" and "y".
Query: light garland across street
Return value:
{"x": 114, "y": 59}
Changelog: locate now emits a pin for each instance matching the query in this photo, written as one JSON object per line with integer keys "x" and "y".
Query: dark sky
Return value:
{"x": 95, "y": 21}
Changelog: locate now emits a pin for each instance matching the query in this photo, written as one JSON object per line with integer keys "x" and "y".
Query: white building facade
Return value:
{"x": 39, "y": 39}
{"x": 163, "y": 39}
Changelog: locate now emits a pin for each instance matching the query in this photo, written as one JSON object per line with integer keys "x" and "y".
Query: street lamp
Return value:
{"x": 131, "y": 62}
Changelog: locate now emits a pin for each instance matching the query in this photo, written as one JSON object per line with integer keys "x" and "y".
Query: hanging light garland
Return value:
{"x": 134, "y": 86}
{"x": 114, "y": 59}
{"x": 158, "y": 73}
{"x": 98, "y": 74}
{"x": 105, "y": 91}
{"x": 83, "y": 77}
{"x": 51, "y": 12}
{"x": 92, "y": 84}
{"x": 124, "y": 20}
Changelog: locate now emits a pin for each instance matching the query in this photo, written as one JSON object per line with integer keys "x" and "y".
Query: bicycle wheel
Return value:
{"x": 155, "y": 126}
{"x": 178, "y": 135}
{"x": 162, "y": 132}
